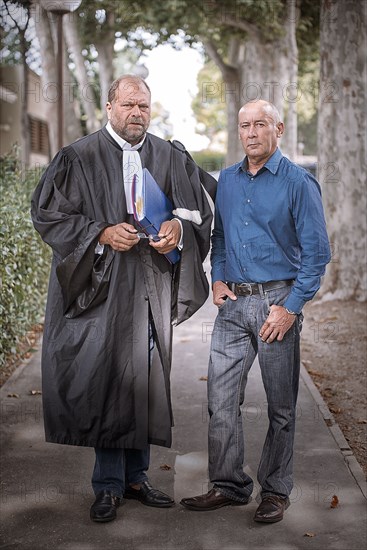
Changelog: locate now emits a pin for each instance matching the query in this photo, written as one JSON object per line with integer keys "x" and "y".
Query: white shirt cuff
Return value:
{"x": 99, "y": 249}
{"x": 180, "y": 244}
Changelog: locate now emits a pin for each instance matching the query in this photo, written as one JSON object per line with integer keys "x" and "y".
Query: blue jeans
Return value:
{"x": 235, "y": 344}
{"x": 114, "y": 469}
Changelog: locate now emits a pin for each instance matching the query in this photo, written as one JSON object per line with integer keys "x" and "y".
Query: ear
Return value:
{"x": 108, "y": 109}
{"x": 280, "y": 128}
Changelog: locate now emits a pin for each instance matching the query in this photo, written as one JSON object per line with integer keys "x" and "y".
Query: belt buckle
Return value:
{"x": 246, "y": 286}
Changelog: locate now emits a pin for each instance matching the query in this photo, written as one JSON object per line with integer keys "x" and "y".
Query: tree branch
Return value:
{"x": 229, "y": 72}
{"x": 242, "y": 25}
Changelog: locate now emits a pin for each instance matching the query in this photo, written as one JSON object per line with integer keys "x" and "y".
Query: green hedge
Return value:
{"x": 210, "y": 161}
{"x": 24, "y": 268}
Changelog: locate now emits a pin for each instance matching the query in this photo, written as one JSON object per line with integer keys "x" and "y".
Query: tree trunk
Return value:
{"x": 264, "y": 66}
{"x": 86, "y": 93}
{"x": 71, "y": 124}
{"x": 25, "y": 124}
{"x": 268, "y": 78}
{"x": 21, "y": 28}
{"x": 105, "y": 63}
{"x": 233, "y": 104}
{"x": 342, "y": 144}
{"x": 105, "y": 47}
{"x": 230, "y": 94}
{"x": 291, "y": 91}
{"x": 49, "y": 76}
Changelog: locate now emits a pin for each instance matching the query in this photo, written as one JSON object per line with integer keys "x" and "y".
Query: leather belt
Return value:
{"x": 247, "y": 289}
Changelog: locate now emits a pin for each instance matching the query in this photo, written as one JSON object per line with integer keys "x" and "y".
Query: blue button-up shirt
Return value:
{"x": 270, "y": 226}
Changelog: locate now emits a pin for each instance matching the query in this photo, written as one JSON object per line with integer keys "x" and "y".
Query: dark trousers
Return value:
{"x": 115, "y": 469}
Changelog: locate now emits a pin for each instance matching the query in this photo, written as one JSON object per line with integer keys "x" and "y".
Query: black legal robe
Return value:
{"x": 98, "y": 388}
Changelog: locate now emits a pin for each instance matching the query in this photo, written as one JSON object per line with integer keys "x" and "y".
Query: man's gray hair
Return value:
{"x": 128, "y": 77}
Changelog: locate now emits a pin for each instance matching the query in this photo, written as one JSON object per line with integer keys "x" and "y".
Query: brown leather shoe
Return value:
{"x": 210, "y": 501}
{"x": 271, "y": 509}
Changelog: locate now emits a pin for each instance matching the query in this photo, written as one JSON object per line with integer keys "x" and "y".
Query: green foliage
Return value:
{"x": 307, "y": 108}
{"x": 17, "y": 34}
{"x": 308, "y": 30}
{"x": 178, "y": 21}
{"x": 210, "y": 161}
{"x": 210, "y": 113}
{"x": 25, "y": 261}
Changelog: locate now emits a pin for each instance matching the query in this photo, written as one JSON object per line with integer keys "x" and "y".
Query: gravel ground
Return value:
{"x": 334, "y": 351}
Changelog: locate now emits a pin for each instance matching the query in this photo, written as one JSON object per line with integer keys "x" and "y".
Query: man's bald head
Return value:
{"x": 259, "y": 128}
{"x": 268, "y": 108}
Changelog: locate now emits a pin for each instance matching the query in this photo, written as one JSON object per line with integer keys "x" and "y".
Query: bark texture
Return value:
{"x": 259, "y": 67}
{"x": 87, "y": 98}
{"x": 342, "y": 144}
{"x": 49, "y": 76}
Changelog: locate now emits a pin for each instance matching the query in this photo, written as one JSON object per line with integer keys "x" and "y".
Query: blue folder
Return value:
{"x": 151, "y": 208}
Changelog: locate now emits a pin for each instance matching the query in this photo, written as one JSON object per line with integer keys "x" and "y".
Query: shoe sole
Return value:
{"x": 216, "y": 507}
{"x": 268, "y": 520}
{"x": 102, "y": 520}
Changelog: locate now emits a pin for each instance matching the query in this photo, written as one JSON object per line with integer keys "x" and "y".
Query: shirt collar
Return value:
{"x": 271, "y": 164}
{"x": 122, "y": 143}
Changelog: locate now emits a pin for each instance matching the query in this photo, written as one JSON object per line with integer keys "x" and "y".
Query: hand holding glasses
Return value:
{"x": 154, "y": 238}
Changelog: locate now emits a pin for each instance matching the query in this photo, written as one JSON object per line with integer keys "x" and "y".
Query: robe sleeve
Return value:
{"x": 57, "y": 214}
{"x": 191, "y": 187}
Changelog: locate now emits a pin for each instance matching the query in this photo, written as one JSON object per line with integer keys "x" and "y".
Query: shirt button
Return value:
{"x": 246, "y": 223}
{"x": 248, "y": 200}
{"x": 244, "y": 246}
{"x": 252, "y": 179}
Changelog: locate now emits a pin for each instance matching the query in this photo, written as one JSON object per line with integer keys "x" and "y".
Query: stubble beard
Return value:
{"x": 131, "y": 134}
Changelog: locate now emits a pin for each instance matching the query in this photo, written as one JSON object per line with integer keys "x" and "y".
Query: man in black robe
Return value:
{"x": 113, "y": 296}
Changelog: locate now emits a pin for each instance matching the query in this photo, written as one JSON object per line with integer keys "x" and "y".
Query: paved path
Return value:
{"x": 46, "y": 493}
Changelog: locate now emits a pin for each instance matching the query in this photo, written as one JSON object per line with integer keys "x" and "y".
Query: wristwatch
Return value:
{"x": 290, "y": 312}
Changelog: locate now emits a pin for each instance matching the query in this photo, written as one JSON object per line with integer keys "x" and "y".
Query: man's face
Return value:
{"x": 258, "y": 132}
{"x": 129, "y": 112}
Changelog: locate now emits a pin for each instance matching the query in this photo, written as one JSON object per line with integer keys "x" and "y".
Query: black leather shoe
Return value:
{"x": 271, "y": 509}
{"x": 210, "y": 501}
{"x": 149, "y": 496}
{"x": 104, "y": 507}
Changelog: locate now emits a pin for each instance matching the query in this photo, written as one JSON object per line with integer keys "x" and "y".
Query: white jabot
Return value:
{"x": 131, "y": 164}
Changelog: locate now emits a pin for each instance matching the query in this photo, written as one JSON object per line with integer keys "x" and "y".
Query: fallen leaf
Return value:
{"x": 309, "y": 535}
{"x": 165, "y": 467}
{"x": 316, "y": 373}
{"x": 334, "y": 502}
{"x": 361, "y": 421}
{"x": 16, "y": 395}
{"x": 335, "y": 410}
{"x": 203, "y": 378}
{"x": 35, "y": 392}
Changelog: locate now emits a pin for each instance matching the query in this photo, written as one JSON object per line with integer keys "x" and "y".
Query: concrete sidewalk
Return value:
{"x": 46, "y": 492}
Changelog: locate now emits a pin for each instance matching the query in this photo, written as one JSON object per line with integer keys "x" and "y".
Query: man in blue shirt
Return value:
{"x": 269, "y": 251}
